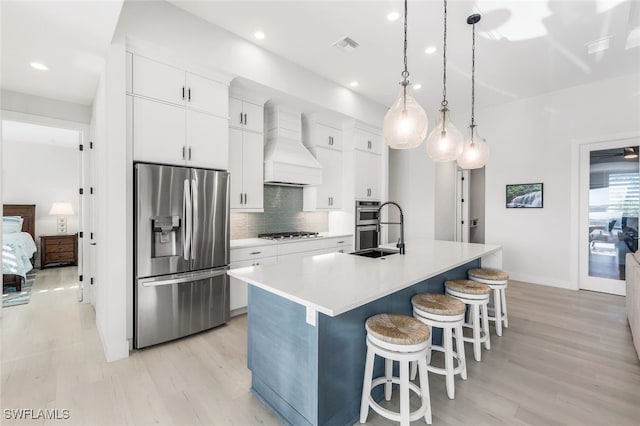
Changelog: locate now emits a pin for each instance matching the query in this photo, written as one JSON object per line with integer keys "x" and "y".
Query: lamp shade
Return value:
{"x": 475, "y": 153}
{"x": 445, "y": 141}
{"x": 405, "y": 125}
{"x": 61, "y": 209}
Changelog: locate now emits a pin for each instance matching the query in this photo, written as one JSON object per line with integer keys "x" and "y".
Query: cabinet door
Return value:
{"x": 235, "y": 167}
{"x": 157, "y": 80}
{"x": 236, "y": 119}
{"x": 158, "y": 132}
{"x": 238, "y": 289}
{"x": 328, "y": 137}
{"x": 366, "y": 141}
{"x": 207, "y": 141}
{"x": 367, "y": 175}
{"x": 207, "y": 95}
{"x": 329, "y": 192}
{"x": 253, "y": 117}
{"x": 252, "y": 170}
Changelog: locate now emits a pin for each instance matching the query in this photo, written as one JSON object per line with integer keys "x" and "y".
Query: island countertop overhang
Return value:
{"x": 335, "y": 283}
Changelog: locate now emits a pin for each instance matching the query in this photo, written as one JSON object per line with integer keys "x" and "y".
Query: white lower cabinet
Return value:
{"x": 264, "y": 255}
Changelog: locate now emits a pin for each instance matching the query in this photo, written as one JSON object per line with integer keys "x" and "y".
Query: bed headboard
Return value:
{"x": 28, "y": 214}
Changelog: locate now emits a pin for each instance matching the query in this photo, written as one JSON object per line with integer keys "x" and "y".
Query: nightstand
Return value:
{"x": 58, "y": 249}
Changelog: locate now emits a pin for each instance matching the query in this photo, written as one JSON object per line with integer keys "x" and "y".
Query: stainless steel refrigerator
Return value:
{"x": 181, "y": 252}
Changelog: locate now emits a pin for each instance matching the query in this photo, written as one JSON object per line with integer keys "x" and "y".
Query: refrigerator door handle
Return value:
{"x": 194, "y": 201}
{"x": 183, "y": 278}
{"x": 186, "y": 229}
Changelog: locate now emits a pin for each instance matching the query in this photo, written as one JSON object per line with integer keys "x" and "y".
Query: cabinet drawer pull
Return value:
{"x": 245, "y": 198}
{"x": 245, "y": 119}
{"x": 241, "y": 198}
{"x": 189, "y": 93}
{"x": 240, "y": 118}
{"x": 184, "y": 150}
{"x": 189, "y": 153}
{"x": 341, "y": 242}
{"x": 255, "y": 252}
{"x": 183, "y": 93}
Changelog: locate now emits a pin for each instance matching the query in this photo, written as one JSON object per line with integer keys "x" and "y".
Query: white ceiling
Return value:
{"x": 524, "y": 48}
{"x": 14, "y": 131}
{"x": 70, "y": 37}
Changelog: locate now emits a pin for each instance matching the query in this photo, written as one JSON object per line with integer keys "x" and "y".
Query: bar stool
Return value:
{"x": 497, "y": 280}
{"x": 447, "y": 313}
{"x": 403, "y": 339}
{"x": 476, "y": 296}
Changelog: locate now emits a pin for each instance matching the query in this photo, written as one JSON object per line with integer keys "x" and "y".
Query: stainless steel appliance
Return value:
{"x": 181, "y": 252}
{"x": 293, "y": 235}
{"x": 366, "y": 230}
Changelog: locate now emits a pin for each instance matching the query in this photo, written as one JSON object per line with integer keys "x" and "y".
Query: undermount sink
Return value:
{"x": 375, "y": 252}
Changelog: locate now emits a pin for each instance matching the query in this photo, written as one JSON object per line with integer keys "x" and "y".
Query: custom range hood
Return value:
{"x": 286, "y": 160}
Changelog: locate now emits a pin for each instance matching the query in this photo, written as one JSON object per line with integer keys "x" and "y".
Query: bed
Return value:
{"x": 18, "y": 248}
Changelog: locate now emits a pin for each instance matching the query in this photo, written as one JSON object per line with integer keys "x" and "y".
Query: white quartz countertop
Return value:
{"x": 258, "y": 242}
{"x": 335, "y": 283}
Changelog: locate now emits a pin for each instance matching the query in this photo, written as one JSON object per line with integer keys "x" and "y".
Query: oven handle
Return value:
{"x": 367, "y": 209}
{"x": 367, "y": 228}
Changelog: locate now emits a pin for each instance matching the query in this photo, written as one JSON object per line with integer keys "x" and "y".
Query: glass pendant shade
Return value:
{"x": 475, "y": 153}
{"x": 405, "y": 125}
{"x": 445, "y": 140}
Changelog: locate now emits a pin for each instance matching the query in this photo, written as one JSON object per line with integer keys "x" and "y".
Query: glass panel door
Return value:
{"x": 611, "y": 191}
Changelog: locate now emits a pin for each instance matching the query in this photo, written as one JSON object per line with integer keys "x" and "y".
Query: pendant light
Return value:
{"x": 476, "y": 151}
{"x": 405, "y": 125}
{"x": 445, "y": 141}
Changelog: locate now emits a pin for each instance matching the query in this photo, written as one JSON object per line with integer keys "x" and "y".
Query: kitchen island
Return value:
{"x": 306, "y": 336}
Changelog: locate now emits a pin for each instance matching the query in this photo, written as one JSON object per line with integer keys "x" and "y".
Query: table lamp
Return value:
{"x": 62, "y": 210}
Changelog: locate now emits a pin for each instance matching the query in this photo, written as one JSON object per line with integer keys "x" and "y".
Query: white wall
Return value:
{"x": 530, "y": 141}
{"x": 411, "y": 184}
{"x": 41, "y": 175}
{"x": 36, "y": 105}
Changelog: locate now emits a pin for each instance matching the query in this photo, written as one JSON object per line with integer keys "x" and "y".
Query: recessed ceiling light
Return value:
{"x": 354, "y": 84}
{"x": 417, "y": 86}
{"x": 430, "y": 50}
{"x": 393, "y": 16}
{"x": 259, "y": 35}
{"x": 39, "y": 66}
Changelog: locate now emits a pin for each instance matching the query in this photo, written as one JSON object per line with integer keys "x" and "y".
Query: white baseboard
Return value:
{"x": 541, "y": 280}
{"x": 113, "y": 351}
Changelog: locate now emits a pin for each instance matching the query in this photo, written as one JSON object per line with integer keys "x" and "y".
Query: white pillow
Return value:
{"x": 11, "y": 224}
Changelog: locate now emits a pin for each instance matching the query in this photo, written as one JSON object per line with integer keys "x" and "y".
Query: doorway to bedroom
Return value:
{"x": 42, "y": 220}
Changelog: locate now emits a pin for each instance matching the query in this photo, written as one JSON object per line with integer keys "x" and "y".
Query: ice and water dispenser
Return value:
{"x": 167, "y": 236}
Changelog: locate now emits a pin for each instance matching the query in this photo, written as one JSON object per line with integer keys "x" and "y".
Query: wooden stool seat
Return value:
{"x": 488, "y": 274}
{"x": 439, "y": 304}
{"x": 467, "y": 287}
{"x": 397, "y": 329}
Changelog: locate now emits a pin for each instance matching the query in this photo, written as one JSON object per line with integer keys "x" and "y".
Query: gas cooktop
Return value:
{"x": 288, "y": 235}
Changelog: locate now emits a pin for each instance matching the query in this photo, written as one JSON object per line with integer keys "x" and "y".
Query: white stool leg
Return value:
{"x": 448, "y": 361}
{"x": 477, "y": 354}
{"x": 460, "y": 349}
{"x": 424, "y": 387}
{"x": 414, "y": 370}
{"x": 404, "y": 393}
{"x": 497, "y": 310}
{"x": 485, "y": 326}
{"x": 366, "y": 386}
{"x": 503, "y": 296}
{"x": 388, "y": 373}
{"x": 430, "y": 340}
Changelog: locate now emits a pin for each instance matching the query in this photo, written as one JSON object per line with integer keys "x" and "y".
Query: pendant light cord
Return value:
{"x": 405, "y": 73}
{"x": 473, "y": 81}
{"x": 444, "y": 102}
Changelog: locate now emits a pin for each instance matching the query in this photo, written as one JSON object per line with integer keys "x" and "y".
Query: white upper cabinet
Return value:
{"x": 207, "y": 95}
{"x": 246, "y": 115}
{"x": 158, "y": 81}
{"x": 207, "y": 141}
{"x": 317, "y": 134}
{"x": 246, "y": 155}
{"x": 367, "y": 179}
{"x": 178, "y": 117}
{"x": 327, "y": 195}
{"x": 367, "y": 141}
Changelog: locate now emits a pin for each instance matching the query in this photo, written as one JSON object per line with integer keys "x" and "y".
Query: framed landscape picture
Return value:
{"x": 525, "y": 195}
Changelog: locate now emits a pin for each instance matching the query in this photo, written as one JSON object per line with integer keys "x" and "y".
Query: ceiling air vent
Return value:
{"x": 346, "y": 44}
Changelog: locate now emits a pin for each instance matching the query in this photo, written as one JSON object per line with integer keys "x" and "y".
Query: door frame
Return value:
{"x": 575, "y": 199}
{"x": 83, "y": 130}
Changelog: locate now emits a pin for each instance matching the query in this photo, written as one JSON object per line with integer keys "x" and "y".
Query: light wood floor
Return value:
{"x": 566, "y": 359}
